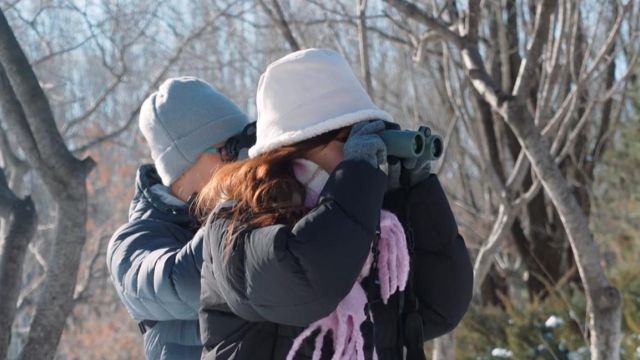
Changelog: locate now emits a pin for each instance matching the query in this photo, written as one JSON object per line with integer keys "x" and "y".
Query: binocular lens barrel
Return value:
{"x": 403, "y": 143}
{"x": 434, "y": 147}
{"x": 412, "y": 144}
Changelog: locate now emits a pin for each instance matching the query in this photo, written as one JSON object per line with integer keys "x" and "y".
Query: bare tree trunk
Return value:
{"x": 361, "y": 6}
{"x": 543, "y": 250}
{"x": 20, "y": 217}
{"x": 444, "y": 348}
{"x": 56, "y": 302}
{"x": 484, "y": 259}
{"x": 492, "y": 286}
{"x": 604, "y": 300}
{"x": 64, "y": 177}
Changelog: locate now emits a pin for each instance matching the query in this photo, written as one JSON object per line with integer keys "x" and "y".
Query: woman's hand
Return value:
{"x": 364, "y": 143}
{"x": 416, "y": 169}
{"x": 408, "y": 172}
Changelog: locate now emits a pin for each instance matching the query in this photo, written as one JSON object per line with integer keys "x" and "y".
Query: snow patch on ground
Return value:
{"x": 502, "y": 353}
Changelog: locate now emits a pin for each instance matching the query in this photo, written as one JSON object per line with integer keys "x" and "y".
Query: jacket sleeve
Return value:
{"x": 443, "y": 275}
{"x": 295, "y": 276}
{"x": 156, "y": 276}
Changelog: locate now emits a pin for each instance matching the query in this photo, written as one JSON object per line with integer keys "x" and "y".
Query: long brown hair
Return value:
{"x": 264, "y": 188}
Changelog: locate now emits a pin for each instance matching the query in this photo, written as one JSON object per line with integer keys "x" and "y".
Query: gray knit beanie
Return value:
{"x": 182, "y": 119}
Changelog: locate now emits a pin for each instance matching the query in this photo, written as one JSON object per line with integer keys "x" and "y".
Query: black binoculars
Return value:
{"x": 409, "y": 144}
{"x": 239, "y": 144}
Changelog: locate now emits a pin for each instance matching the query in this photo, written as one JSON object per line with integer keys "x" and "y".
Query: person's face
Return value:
{"x": 328, "y": 156}
{"x": 205, "y": 167}
{"x": 200, "y": 173}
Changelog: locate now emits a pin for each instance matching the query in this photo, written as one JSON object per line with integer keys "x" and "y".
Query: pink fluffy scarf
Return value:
{"x": 343, "y": 324}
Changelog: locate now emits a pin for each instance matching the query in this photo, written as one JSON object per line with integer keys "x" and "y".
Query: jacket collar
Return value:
{"x": 146, "y": 200}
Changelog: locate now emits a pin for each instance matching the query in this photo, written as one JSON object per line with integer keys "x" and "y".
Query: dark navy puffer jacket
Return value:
{"x": 278, "y": 279}
{"x": 155, "y": 261}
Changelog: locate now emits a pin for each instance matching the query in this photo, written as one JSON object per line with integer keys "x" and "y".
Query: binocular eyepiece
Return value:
{"x": 238, "y": 145}
{"x": 410, "y": 144}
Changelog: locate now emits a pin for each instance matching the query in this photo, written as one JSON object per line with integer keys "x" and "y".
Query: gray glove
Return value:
{"x": 364, "y": 144}
{"x": 394, "y": 171}
{"x": 416, "y": 169}
{"x": 412, "y": 171}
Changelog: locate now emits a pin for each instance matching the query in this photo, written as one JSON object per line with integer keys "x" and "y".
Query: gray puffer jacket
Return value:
{"x": 155, "y": 261}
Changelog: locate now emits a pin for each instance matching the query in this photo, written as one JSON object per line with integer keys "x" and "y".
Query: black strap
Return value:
{"x": 146, "y": 325}
{"x": 411, "y": 331}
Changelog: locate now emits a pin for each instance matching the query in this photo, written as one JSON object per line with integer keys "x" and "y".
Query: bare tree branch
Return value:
{"x": 484, "y": 259}
{"x": 53, "y": 54}
{"x": 82, "y": 289}
{"x": 473, "y": 20}
{"x": 160, "y": 76}
{"x": 410, "y": 10}
{"x": 92, "y": 109}
{"x": 281, "y": 22}
{"x": 14, "y": 117}
{"x": 361, "y": 6}
{"x": 609, "y": 43}
{"x": 17, "y": 167}
{"x": 543, "y": 18}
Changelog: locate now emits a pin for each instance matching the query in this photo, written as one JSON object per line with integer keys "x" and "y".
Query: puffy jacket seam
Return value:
{"x": 305, "y": 271}
{"x": 174, "y": 286}
{"x": 316, "y": 300}
{"x": 170, "y": 278}
{"x": 305, "y": 278}
{"x": 143, "y": 298}
{"x": 192, "y": 255}
{"x": 155, "y": 299}
{"x": 353, "y": 219}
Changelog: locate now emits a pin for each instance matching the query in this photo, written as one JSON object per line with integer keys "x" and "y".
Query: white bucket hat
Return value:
{"x": 308, "y": 93}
